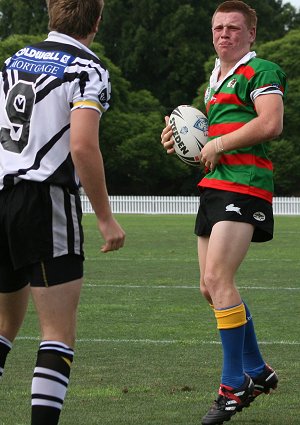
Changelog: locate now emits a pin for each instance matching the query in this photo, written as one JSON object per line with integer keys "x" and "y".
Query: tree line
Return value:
{"x": 160, "y": 55}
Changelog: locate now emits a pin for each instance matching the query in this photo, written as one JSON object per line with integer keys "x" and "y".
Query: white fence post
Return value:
{"x": 178, "y": 205}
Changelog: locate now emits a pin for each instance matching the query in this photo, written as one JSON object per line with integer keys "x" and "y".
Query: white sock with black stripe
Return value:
{"x": 5, "y": 347}
{"x": 50, "y": 382}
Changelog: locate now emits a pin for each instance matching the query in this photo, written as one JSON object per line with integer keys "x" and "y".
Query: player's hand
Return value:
{"x": 113, "y": 234}
{"x": 209, "y": 157}
{"x": 166, "y": 137}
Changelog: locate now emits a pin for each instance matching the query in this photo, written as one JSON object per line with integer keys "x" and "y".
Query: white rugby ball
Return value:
{"x": 190, "y": 131}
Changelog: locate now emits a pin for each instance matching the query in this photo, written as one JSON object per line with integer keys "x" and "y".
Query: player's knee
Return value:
{"x": 204, "y": 291}
{"x": 212, "y": 282}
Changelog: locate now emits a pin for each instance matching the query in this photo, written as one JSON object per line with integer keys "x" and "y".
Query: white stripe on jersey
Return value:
{"x": 40, "y": 86}
{"x": 265, "y": 90}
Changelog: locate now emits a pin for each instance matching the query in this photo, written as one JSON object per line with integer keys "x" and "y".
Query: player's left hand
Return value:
{"x": 209, "y": 157}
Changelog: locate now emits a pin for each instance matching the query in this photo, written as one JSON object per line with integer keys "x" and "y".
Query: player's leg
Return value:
{"x": 56, "y": 306}
{"x": 228, "y": 244}
{"x": 14, "y": 295}
{"x": 264, "y": 377}
{"x": 202, "y": 252}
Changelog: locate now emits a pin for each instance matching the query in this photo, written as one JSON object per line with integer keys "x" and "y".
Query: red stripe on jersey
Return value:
{"x": 246, "y": 70}
{"x": 246, "y": 159}
{"x": 221, "y": 129}
{"x": 236, "y": 187}
{"x": 229, "y": 98}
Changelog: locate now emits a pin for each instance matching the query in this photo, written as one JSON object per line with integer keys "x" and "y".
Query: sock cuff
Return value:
{"x": 58, "y": 348}
{"x": 230, "y": 318}
{"x": 6, "y": 342}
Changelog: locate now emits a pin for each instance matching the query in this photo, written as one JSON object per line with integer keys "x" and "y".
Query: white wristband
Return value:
{"x": 219, "y": 145}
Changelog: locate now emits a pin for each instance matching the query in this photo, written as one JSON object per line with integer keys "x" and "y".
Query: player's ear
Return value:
{"x": 96, "y": 28}
{"x": 252, "y": 35}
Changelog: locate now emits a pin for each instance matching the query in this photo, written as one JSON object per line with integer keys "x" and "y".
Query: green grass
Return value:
{"x": 148, "y": 350}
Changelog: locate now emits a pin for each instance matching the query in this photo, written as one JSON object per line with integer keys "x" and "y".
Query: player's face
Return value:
{"x": 231, "y": 36}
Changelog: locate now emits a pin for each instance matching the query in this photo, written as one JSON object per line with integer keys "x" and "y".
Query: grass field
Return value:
{"x": 148, "y": 350}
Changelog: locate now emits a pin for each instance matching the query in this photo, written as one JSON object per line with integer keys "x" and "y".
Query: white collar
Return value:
{"x": 214, "y": 83}
{"x": 66, "y": 39}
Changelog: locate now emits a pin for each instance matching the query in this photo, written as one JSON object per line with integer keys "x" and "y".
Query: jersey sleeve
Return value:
{"x": 268, "y": 82}
{"x": 92, "y": 89}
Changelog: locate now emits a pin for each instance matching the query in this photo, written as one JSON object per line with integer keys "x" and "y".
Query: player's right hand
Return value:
{"x": 166, "y": 137}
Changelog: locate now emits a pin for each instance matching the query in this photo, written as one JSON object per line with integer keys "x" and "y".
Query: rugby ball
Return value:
{"x": 190, "y": 131}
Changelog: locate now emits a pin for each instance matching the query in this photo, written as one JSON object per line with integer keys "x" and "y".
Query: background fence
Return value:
{"x": 178, "y": 205}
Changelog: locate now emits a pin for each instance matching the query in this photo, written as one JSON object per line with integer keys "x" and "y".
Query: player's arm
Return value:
{"x": 87, "y": 158}
{"x": 267, "y": 125}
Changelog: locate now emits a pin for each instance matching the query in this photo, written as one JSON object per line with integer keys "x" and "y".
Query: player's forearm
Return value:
{"x": 252, "y": 133}
{"x": 266, "y": 126}
{"x": 89, "y": 167}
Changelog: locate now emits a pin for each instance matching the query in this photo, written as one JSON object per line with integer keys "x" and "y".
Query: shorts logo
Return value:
{"x": 259, "y": 216}
{"x": 232, "y": 207}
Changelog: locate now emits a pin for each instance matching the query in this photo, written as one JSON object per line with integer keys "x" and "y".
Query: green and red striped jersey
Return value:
{"x": 230, "y": 105}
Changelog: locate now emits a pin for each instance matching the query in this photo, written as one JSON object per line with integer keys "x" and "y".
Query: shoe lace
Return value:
{"x": 220, "y": 402}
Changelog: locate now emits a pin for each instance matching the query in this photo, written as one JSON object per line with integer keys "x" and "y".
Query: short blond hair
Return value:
{"x": 76, "y": 18}
{"x": 239, "y": 6}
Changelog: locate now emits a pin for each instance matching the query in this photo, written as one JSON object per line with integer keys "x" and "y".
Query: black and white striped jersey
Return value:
{"x": 39, "y": 87}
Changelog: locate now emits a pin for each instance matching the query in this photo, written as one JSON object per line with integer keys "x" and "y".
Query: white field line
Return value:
{"x": 187, "y": 260}
{"x": 263, "y": 288}
{"x": 166, "y": 341}
{"x": 157, "y": 341}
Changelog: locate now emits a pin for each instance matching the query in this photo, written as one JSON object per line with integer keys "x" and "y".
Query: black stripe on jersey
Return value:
{"x": 41, "y": 94}
{"x": 5, "y": 79}
{"x": 62, "y": 174}
{"x": 89, "y": 66}
{"x": 40, "y": 80}
{"x": 68, "y": 77}
{"x": 68, "y": 48}
{"x": 9, "y": 178}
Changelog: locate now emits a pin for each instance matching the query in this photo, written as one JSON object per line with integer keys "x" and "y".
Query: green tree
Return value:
{"x": 158, "y": 45}
{"x": 23, "y": 17}
{"x": 14, "y": 43}
{"x": 130, "y": 131}
{"x": 286, "y": 167}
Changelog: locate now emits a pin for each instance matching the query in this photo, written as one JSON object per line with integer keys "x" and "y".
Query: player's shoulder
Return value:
{"x": 74, "y": 52}
{"x": 259, "y": 65}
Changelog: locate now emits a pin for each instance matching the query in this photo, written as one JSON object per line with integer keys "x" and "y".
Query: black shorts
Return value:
{"x": 40, "y": 236}
{"x": 220, "y": 205}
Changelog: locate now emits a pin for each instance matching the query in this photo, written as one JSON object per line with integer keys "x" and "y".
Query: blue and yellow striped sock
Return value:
{"x": 231, "y": 324}
{"x": 253, "y": 360}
